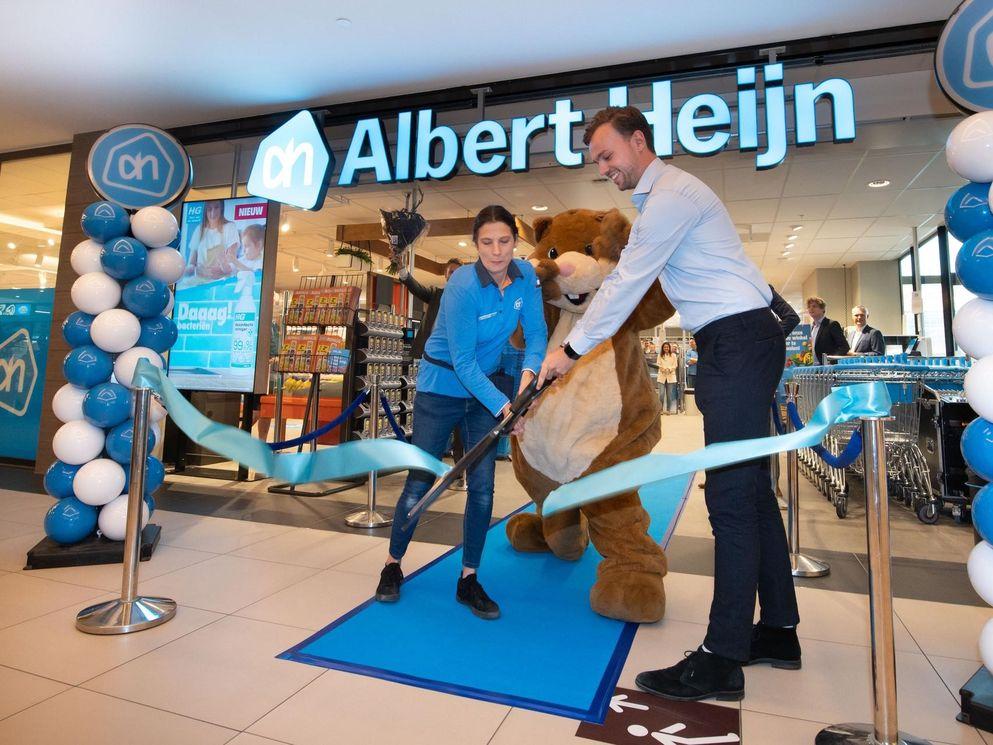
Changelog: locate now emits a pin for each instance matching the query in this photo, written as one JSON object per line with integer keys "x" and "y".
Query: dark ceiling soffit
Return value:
{"x": 860, "y": 45}
{"x": 36, "y": 152}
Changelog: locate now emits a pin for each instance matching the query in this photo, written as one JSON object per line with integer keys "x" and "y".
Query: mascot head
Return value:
{"x": 576, "y": 250}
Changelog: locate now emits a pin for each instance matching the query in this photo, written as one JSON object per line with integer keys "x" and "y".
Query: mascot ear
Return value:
{"x": 541, "y": 226}
{"x": 614, "y": 231}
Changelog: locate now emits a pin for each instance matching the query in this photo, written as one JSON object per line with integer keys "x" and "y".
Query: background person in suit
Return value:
{"x": 863, "y": 338}
{"x": 431, "y": 297}
{"x": 826, "y": 336}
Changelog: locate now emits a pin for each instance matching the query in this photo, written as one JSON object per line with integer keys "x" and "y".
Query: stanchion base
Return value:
{"x": 459, "y": 485}
{"x": 119, "y": 617}
{"x": 806, "y": 567}
{"x": 860, "y": 734}
{"x": 368, "y": 519}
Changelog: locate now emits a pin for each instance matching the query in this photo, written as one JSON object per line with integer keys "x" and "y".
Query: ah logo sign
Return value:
{"x": 963, "y": 60}
{"x": 293, "y": 164}
{"x": 137, "y": 166}
{"x": 18, "y": 372}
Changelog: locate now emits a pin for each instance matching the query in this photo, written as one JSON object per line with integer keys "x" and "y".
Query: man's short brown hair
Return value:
{"x": 625, "y": 119}
{"x": 819, "y": 302}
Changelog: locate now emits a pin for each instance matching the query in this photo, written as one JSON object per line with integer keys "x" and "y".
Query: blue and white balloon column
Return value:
{"x": 125, "y": 268}
{"x": 969, "y": 218}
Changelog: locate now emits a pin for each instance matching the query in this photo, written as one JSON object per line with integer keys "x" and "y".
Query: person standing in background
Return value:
{"x": 826, "y": 336}
{"x": 691, "y": 359}
{"x": 863, "y": 338}
{"x": 668, "y": 361}
{"x": 431, "y": 297}
{"x": 788, "y": 318}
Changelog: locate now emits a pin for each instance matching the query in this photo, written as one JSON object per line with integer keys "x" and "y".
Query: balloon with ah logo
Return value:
{"x": 125, "y": 267}
{"x": 969, "y": 218}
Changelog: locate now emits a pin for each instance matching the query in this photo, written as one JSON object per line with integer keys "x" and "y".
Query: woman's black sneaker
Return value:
{"x": 471, "y": 593}
{"x": 390, "y": 579}
{"x": 701, "y": 675}
{"x": 777, "y": 647}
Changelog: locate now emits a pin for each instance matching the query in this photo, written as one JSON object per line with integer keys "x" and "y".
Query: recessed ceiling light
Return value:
{"x": 786, "y": 253}
{"x": 539, "y": 207}
{"x": 790, "y": 245}
{"x": 296, "y": 264}
{"x": 51, "y": 241}
{"x": 462, "y": 244}
{"x": 343, "y": 22}
{"x": 797, "y": 227}
{"x": 11, "y": 245}
{"x": 792, "y": 237}
{"x": 879, "y": 183}
{"x": 284, "y": 228}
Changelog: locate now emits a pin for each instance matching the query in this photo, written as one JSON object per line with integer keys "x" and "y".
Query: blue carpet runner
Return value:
{"x": 548, "y": 651}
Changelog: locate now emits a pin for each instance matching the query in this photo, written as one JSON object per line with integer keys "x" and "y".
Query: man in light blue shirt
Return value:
{"x": 685, "y": 239}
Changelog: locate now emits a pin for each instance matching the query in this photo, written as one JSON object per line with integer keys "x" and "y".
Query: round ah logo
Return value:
{"x": 137, "y": 165}
{"x": 963, "y": 61}
{"x": 518, "y": 304}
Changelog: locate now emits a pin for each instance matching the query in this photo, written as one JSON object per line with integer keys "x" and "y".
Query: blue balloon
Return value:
{"x": 977, "y": 447}
{"x": 76, "y": 328}
{"x": 58, "y": 479}
{"x": 974, "y": 264}
{"x": 104, "y": 221}
{"x": 150, "y": 501}
{"x": 123, "y": 258}
{"x": 982, "y": 512}
{"x": 70, "y": 521}
{"x": 87, "y": 365}
{"x": 119, "y": 440}
{"x": 158, "y": 333}
{"x": 154, "y": 475}
{"x": 967, "y": 211}
{"x": 145, "y": 297}
{"x": 107, "y": 405}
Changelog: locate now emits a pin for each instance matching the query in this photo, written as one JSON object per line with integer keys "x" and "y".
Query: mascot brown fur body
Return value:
{"x": 603, "y": 412}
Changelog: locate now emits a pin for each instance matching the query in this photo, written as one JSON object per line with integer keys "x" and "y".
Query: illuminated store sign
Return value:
{"x": 703, "y": 126}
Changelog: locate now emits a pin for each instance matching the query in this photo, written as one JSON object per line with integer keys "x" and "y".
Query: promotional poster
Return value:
{"x": 217, "y": 308}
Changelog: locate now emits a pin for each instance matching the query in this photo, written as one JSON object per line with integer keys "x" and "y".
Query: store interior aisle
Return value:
{"x": 248, "y": 589}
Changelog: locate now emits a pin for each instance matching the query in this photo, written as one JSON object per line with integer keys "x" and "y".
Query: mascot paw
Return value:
{"x": 634, "y": 596}
{"x": 525, "y": 534}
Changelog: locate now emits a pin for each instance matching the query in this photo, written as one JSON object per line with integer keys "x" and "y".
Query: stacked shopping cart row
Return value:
{"x": 907, "y": 468}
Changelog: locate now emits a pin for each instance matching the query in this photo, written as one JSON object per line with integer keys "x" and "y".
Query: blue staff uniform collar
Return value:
{"x": 485, "y": 278}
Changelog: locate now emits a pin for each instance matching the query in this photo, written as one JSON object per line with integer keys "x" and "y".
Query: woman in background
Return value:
{"x": 668, "y": 361}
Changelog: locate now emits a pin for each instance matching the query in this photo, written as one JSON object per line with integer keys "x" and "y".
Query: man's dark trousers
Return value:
{"x": 741, "y": 362}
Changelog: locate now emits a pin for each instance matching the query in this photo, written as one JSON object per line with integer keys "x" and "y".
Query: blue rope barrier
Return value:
{"x": 320, "y": 431}
{"x": 397, "y": 430}
{"x": 844, "y": 459}
{"x": 777, "y": 419}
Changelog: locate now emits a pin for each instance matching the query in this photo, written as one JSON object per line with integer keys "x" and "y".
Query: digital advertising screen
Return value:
{"x": 218, "y": 309}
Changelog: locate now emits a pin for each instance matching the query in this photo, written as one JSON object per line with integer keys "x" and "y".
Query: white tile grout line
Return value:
{"x": 297, "y": 691}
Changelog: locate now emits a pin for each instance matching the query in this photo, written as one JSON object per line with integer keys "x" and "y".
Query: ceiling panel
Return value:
{"x": 802, "y": 209}
{"x": 753, "y": 210}
{"x": 747, "y": 183}
{"x": 868, "y": 204}
{"x": 820, "y": 177}
{"x": 899, "y": 170}
{"x": 849, "y": 228}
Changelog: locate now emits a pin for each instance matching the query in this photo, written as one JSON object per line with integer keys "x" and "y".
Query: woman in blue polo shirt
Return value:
{"x": 457, "y": 386}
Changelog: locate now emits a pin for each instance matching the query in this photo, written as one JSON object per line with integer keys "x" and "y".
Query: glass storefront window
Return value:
{"x": 934, "y": 318}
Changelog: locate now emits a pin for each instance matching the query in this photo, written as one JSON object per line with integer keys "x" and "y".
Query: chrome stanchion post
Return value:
{"x": 131, "y": 612}
{"x": 883, "y": 730}
{"x": 369, "y": 517}
{"x": 800, "y": 564}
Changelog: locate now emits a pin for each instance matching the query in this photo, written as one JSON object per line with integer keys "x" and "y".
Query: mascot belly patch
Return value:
{"x": 572, "y": 424}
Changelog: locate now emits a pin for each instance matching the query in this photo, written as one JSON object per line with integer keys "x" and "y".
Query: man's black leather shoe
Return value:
{"x": 390, "y": 580}
{"x": 777, "y": 647}
{"x": 471, "y": 593}
{"x": 700, "y": 676}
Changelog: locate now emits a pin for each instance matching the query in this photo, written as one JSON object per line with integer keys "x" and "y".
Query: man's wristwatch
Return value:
{"x": 571, "y": 353}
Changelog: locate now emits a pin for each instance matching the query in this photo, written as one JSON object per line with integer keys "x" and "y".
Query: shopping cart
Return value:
{"x": 908, "y": 474}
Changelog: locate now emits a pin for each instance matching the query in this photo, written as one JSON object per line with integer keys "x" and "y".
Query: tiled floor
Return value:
{"x": 249, "y": 589}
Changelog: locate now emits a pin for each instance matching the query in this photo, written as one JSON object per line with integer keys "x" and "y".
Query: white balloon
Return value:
{"x": 167, "y": 311}
{"x": 973, "y": 328}
{"x": 95, "y": 292}
{"x": 126, "y": 362}
{"x": 77, "y": 442}
{"x": 165, "y": 265}
{"x": 154, "y": 226}
{"x": 67, "y": 403}
{"x": 115, "y": 330}
{"x": 98, "y": 482}
{"x": 978, "y": 387}
{"x": 85, "y": 257}
{"x": 969, "y": 148}
{"x": 113, "y": 518}
{"x": 980, "y": 568}
{"x": 986, "y": 645}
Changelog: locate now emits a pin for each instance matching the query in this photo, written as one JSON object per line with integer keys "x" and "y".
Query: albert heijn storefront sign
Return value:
{"x": 294, "y": 163}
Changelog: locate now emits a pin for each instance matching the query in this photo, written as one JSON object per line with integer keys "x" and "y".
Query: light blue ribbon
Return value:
{"x": 842, "y": 405}
{"x": 331, "y": 464}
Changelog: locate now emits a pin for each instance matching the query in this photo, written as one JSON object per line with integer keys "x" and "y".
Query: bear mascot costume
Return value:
{"x": 603, "y": 412}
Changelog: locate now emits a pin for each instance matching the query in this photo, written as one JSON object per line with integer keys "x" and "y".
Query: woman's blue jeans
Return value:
{"x": 435, "y": 417}
{"x": 671, "y": 391}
